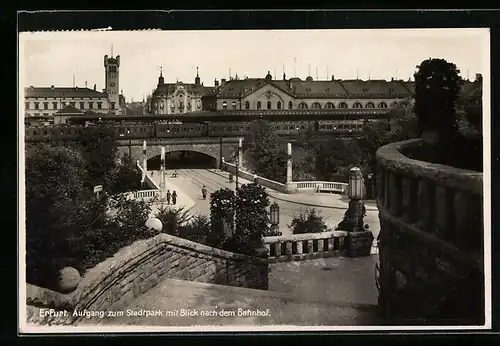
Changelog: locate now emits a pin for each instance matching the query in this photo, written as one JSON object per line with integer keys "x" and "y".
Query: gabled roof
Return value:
{"x": 169, "y": 88}
{"x": 57, "y": 92}
{"x": 70, "y": 110}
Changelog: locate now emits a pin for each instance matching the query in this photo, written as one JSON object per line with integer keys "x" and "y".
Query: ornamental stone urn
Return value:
{"x": 69, "y": 278}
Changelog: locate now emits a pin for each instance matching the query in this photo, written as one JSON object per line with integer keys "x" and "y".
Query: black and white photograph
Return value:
{"x": 254, "y": 180}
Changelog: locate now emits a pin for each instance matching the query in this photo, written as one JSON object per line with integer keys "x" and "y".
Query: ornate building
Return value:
{"x": 296, "y": 94}
{"x": 177, "y": 98}
{"x": 42, "y": 103}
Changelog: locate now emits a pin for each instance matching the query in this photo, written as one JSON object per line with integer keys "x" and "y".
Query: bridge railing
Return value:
{"x": 319, "y": 186}
{"x": 300, "y": 247}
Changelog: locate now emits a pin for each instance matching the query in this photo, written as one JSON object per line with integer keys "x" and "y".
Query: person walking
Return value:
{"x": 204, "y": 192}
{"x": 174, "y": 197}
{"x": 169, "y": 195}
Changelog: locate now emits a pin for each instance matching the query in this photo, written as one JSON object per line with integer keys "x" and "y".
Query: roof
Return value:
{"x": 169, "y": 88}
{"x": 375, "y": 88}
{"x": 57, "y": 92}
{"x": 70, "y": 110}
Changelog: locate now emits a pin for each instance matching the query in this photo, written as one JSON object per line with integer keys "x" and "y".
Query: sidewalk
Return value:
{"x": 312, "y": 199}
{"x": 183, "y": 200}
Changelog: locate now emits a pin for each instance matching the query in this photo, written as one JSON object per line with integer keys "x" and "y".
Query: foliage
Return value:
{"x": 196, "y": 229}
{"x": 172, "y": 218}
{"x": 54, "y": 190}
{"x": 251, "y": 219}
{"x": 222, "y": 213}
{"x": 123, "y": 178}
{"x": 267, "y": 157}
{"x": 437, "y": 88}
{"x": 99, "y": 148}
{"x": 308, "y": 221}
{"x": 304, "y": 164}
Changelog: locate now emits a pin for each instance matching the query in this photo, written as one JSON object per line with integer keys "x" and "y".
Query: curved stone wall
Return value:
{"x": 431, "y": 240}
{"x": 116, "y": 282}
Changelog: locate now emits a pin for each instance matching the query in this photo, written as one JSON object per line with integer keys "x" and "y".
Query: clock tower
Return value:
{"x": 112, "y": 74}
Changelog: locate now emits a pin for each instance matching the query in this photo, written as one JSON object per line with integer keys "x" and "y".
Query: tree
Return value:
{"x": 173, "y": 219}
{"x": 54, "y": 191}
{"x": 99, "y": 148}
{"x": 437, "y": 88}
{"x": 267, "y": 157}
{"x": 124, "y": 177}
{"x": 251, "y": 218}
{"x": 222, "y": 213}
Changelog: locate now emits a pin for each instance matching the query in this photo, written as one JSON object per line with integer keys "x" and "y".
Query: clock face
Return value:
{"x": 112, "y": 84}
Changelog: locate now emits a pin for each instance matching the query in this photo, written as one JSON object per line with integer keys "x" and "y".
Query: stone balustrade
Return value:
{"x": 319, "y": 186}
{"x": 431, "y": 238}
{"x": 300, "y": 247}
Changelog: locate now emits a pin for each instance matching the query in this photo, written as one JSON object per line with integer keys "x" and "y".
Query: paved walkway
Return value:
{"x": 217, "y": 305}
{"x": 183, "y": 200}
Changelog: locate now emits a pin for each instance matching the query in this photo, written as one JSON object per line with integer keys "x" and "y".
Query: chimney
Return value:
{"x": 284, "y": 76}
{"x": 479, "y": 77}
{"x": 85, "y": 83}
{"x": 52, "y": 87}
{"x": 333, "y": 77}
{"x": 95, "y": 87}
{"x": 223, "y": 81}
{"x": 216, "y": 83}
{"x": 392, "y": 79}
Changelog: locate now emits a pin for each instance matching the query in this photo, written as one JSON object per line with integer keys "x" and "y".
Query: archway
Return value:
{"x": 182, "y": 159}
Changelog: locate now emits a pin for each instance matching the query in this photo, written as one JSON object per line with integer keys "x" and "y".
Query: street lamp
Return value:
{"x": 355, "y": 193}
{"x": 274, "y": 215}
{"x": 129, "y": 145}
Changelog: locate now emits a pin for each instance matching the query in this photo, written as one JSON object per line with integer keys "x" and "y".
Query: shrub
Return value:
{"x": 222, "y": 212}
{"x": 172, "y": 218}
{"x": 196, "y": 229}
{"x": 308, "y": 221}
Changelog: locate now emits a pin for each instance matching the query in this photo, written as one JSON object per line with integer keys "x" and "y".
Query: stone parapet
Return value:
{"x": 431, "y": 239}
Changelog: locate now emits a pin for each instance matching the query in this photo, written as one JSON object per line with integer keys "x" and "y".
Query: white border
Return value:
{"x": 25, "y": 328}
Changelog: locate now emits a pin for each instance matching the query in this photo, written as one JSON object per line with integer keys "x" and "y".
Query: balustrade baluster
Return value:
{"x": 321, "y": 244}
{"x": 277, "y": 249}
{"x": 310, "y": 246}
{"x": 409, "y": 189}
{"x": 442, "y": 219}
{"x": 299, "y": 247}
{"x": 425, "y": 199}
{"x": 288, "y": 248}
{"x": 394, "y": 194}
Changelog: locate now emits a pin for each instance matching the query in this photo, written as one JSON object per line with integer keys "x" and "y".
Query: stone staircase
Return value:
{"x": 178, "y": 303}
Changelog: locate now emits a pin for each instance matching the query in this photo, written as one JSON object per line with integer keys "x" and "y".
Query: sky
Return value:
{"x": 47, "y": 58}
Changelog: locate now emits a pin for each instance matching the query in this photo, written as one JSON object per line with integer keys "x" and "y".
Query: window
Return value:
{"x": 112, "y": 105}
{"x": 45, "y": 105}
{"x": 63, "y": 104}
{"x": 234, "y": 104}
{"x": 302, "y": 106}
{"x": 290, "y": 105}
{"x": 316, "y": 105}
{"x": 269, "y": 104}
{"x": 382, "y": 105}
{"x": 82, "y": 105}
{"x": 278, "y": 105}
{"x": 99, "y": 105}
{"x": 91, "y": 105}
{"x": 27, "y": 105}
{"x": 357, "y": 105}
{"x": 54, "y": 105}
{"x": 224, "y": 105}
{"x": 330, "y": 105}
{"x": 37, "y": 105}
{"x": 247, "y": 105}
{"x": 72, "y": 104}
{"x": 370, "y": 105}
{"x": 342, "y": 105}
{"x": 259, "y": 105}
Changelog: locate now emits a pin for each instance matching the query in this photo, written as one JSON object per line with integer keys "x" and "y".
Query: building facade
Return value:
{"x": 296, "y": 94}
{"x": 42, "y": 103}
{"x": 177, "y": 98}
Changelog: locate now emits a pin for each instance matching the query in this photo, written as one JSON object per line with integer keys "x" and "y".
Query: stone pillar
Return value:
{"x": 162, "y": 169}
{"x": 240, "y": 152}
{"x": 289, "y": 169}
{"x": 144, "y": 162}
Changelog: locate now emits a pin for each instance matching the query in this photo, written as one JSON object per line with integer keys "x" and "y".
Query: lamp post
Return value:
{"x": 355, "y": 192}
{"x": 129, "y": 145}
{"x": 275, "y": 218}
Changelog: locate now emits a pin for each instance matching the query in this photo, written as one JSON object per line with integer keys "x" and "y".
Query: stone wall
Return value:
{"x": 116, "y": 282}
{"x": 431, "y": 240}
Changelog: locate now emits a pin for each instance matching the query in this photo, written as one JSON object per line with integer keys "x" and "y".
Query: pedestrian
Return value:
{"x": 174, "y": 197}
{"x": 255, "y": 178}
{"x": 168, "y": 196}
{"x": 204, "y": 192}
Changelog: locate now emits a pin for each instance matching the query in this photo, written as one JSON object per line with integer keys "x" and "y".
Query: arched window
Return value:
{"x": 302, "y": 105}
{"x": 342, "y": 105}
{"x": 330, "y": 105}
{"x": 370, "y": 105}
{"x": 278, "y": 105}
{"x": 290, "y": 105}
{"x": 247, "y": 105}
{"x": 268, "y": 104}
{"x": 259, "y": 105}
{"x": 234, "y": 104}
{"x": 224, "y": 105}
{"x": 316, "y": 105}
{"x": 357, "y": 105}
{"x": 382, "y": 105}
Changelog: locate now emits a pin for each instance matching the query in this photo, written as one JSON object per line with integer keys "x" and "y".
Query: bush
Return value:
{"x": 172, "y": 219}
{"x": 196, "y": 229}
{"x": 222, "y": 212}
{"x": 308, "y": 221}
